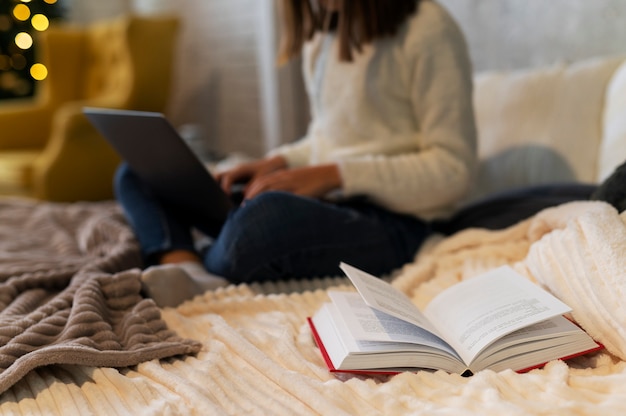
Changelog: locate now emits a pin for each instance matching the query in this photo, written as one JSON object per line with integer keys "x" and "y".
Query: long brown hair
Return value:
{"x": 357, "y": 22}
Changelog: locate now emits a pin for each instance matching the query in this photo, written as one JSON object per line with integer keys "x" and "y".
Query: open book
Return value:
{"x": 499, "y": 320}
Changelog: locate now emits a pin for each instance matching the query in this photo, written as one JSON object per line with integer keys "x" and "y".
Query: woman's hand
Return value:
{"x": 249, "y": 172}
{"x": 312, "y": 181}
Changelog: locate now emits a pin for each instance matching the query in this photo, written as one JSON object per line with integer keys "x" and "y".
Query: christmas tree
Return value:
{"x": 19, "y": 22}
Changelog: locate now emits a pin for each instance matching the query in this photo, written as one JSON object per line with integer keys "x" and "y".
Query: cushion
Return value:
{"x": 541, "y": 125}
{"x": 613, "y": 147}
{"x": 108, "y": 62}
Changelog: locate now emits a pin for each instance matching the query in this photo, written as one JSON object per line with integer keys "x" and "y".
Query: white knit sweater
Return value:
{"x": 398, "y": 120}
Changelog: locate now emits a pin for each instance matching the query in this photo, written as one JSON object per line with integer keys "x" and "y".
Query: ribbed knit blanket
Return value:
{"x": 577, "y": 251}
{"x": 69, "y": 293}
{"x": 258, "y": 357}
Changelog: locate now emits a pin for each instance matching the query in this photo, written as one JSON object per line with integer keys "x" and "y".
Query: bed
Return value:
{"x": 78, "y": 337}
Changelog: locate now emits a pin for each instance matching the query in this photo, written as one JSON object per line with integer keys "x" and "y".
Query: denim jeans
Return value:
{"x": 277, "y": 235}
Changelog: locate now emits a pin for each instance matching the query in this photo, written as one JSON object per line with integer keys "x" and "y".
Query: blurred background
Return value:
{"x": 228, "y": 95}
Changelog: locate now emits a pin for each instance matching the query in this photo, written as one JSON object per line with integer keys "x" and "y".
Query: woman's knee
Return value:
{"x": 268, "y": 211}
{"x": 250, "y": 234}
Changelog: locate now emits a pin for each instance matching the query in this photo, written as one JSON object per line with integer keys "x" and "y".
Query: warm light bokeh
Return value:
{"x": 38, "y": 72}
{"x": 21, "y": 12}
{"x": 23, "y": 40}
{"x": 40, "y": 22}
{"x": 20, "y": 20}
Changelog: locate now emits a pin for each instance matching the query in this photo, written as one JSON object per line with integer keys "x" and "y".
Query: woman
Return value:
{"x": 391, "y": 146}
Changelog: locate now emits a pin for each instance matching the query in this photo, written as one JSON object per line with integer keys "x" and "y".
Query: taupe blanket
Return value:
{"x": 70, "y": 291}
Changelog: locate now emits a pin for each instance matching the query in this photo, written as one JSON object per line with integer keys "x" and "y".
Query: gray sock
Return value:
{"x": 172, "y": 284}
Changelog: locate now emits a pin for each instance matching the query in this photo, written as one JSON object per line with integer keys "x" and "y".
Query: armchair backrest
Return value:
{"x": 124, "y": 62}
{"x": 110, "y": 63}
{"x": 147, "y": 68}
{"x": 61, "y": 52}
{"x": 107, "y": 62}
{"x": 119, "y": 63}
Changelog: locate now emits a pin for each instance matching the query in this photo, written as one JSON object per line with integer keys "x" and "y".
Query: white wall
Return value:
{"x": 85, "y": 11}
{"x": 218, "y": 78}
{"x": 504, "y": 34}
{"x": 227, "y": 80}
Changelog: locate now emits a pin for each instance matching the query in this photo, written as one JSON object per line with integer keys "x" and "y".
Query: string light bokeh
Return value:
{"x": 20, "y": 21}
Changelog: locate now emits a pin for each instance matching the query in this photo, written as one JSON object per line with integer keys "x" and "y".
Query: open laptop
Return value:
{"x": 155, "y": 151}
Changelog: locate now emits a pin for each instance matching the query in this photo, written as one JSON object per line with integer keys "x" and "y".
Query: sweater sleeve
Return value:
{"x": 296, "y": 154}
{"x": 428, "y": 182}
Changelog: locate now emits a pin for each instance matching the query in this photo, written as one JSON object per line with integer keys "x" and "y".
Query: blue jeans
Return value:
{"x": 277, "y": 235}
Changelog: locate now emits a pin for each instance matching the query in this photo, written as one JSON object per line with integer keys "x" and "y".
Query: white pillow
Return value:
{"x": 541, "y": 125}
{"x": 613, "y": 147}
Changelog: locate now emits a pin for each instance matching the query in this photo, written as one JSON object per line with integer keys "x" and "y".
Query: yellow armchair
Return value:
{"x": 48, "y": 149}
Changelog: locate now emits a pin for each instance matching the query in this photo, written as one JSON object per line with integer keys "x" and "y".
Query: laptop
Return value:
{"x": 154, "y": 150}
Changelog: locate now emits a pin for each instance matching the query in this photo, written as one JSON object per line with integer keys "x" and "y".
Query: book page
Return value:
{"x": 476, "y": 312}
{"x": 343, "y": 353}
{"x": 366, "y": 324}
{"x": 555, "y": 332}
{"x": 381, "y": 296}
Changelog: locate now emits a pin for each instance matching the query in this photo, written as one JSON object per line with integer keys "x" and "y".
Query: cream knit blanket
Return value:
{"x": 577, "y": 251}
{"x": 258, "y": 356}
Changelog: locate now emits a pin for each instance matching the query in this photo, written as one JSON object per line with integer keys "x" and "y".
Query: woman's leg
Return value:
{"x": 158, "y": 229}
{"x": 278, "y": 236}
{"x": 176, "y": 272}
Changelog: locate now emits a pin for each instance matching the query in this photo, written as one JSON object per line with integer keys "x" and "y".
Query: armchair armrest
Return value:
{"x": 24, "y": 125}
{"x": 77, "y": 164}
